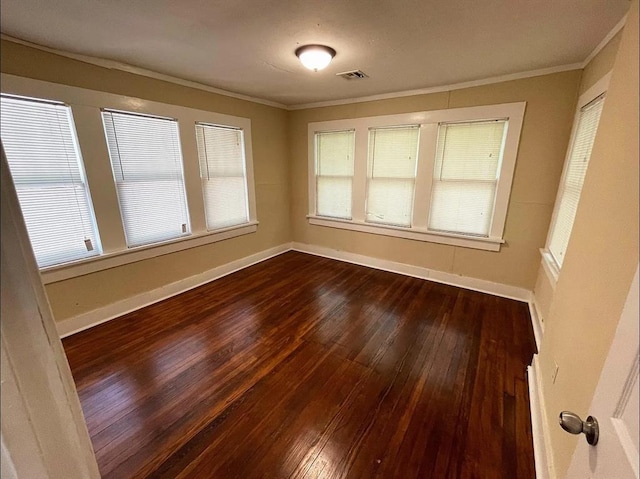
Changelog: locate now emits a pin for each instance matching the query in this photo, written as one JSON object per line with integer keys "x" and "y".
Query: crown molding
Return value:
{"x": 114, "y": 65}
{"x": 384, "y": 96}
{"x": 614, "y": 31}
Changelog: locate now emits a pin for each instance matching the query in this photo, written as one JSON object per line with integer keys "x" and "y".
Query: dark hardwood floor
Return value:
{"x": 305, "y": 367}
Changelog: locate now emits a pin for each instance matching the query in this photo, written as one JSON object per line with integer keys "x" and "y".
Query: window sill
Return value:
{"x": 550, "y": 267}
{"x": 487, "y": 244}
{"x": 56, "y": 273}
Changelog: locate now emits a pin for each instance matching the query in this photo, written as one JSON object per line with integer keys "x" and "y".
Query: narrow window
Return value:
{"x": 223, "y": 175}
{"x": 334, "y": 173}
{"x": 391, "y": 178}
{"x": 571, "y": 186}
{"x": 465, "y": 176}
{"x": 147, "y": 167}
{"x": 41, "y": 147}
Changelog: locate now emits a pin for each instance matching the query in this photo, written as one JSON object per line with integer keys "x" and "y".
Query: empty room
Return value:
{"x": 319, "y": 239}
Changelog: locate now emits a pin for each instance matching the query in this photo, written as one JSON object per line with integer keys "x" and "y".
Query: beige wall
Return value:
{"x": 597, "y": 68}
{"x": 545, "y": 133}
{"x": 602, "y": 255}
{"x": 270, "y": 157}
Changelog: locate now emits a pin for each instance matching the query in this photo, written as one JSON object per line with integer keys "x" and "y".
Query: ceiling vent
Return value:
{"x": 353, "y": 75}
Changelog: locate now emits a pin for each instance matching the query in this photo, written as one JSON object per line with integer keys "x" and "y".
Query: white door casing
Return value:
{"x": 615, "y": 406}
{"x": 43, "y": 430}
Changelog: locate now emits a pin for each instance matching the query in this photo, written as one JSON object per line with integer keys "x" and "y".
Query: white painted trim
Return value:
{"x": 550, "y": 267}
{"x": 86, "y": 104}
{"x": 487, "y": 244}
{"x": 512, "y": 112}
{"x": 106, "y": 313}
{"x": 543, "y": 458}
{"x": 133, "y": 255}
{"x": 600, "y": 87}
{"x": 614, "y": 31}
{"x": 114, "y": 65}
{"x": 466, "y": 282}
{"x": 536, "y": 323}
{"x": 441, "y": 88}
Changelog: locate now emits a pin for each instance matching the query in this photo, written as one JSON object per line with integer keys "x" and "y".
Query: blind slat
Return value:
{"x": 223, "y": 174}
{"x": 44, "y": 159}
{"x": 571, "y": 187}
{"x": 393, "y": 154}
{"x": 334, "y": 173}
{"x": 468, "y": 159}
{"x": 147, "y": 168}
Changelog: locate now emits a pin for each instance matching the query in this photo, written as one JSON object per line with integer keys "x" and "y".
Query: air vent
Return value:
{"x": 353, "y": 75}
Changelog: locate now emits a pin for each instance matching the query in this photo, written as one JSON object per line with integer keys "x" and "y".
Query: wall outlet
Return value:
{"x": 555, "y": 372}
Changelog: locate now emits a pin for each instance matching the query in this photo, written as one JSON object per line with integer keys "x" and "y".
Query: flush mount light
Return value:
{"x": 315, "y": 57}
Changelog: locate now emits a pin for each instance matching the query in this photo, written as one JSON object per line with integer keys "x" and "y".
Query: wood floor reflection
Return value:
{"x": 305, "y": 367}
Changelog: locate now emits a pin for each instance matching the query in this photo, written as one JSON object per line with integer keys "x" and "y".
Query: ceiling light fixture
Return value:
{"x": 315, "y": 57}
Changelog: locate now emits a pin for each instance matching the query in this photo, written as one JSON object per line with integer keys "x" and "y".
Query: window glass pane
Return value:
{"x": 393, "y": 154}
{"x": 44, "y": 159}
{"x": 571, "y": 187}
{"x": 223, "y": 175}
{"x": 468, "y": 159}
{"x": 334, "y": 173}
{"x": 147, "y": 167}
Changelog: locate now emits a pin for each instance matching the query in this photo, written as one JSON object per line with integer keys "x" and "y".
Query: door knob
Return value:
{"x": 572, "y": 423}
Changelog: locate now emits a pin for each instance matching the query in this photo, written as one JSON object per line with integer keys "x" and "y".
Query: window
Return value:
{"x": 442, "y": 176}
{"x": 393, "y": 157}
{"x": 334, "y": 173}
{"x": 573, "y": 178}
{"x": 223, "y": 175}
{"x": 147, "y": 168}
{"x": 465, "y": 176}
{"x": 40, "y": 144}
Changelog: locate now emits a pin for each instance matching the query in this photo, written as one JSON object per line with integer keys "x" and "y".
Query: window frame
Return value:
{"x": 550, "y": 265}
{"x": 97, "y": 247}
{"x": 86, "y": 108}
{"x": 429, "y": 122}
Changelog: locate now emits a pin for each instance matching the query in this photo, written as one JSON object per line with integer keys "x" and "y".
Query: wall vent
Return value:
{"x": 353, "y": 75}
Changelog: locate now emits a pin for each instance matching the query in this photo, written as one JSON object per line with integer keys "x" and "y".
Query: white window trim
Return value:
{"x": 551, "y": 267}
{"x": 428, "y": 121}
{"x": 115, "y": 251}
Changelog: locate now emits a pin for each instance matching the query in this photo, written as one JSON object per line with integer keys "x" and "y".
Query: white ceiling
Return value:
{"x": 247, "y": 46}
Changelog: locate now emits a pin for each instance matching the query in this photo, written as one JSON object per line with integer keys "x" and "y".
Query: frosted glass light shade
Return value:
{"x": 315, "y": 57}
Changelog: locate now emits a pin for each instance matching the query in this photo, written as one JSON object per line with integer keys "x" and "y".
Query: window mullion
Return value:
{"x": 424, "y": 176}
{"x": 359, "y": 188}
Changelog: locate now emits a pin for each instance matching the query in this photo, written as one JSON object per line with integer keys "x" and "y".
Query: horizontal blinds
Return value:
{"x": 393, "y": 154}
{"x": 147, "y": 167}
{"x": 334, "y": 173}
{"x": 223, "y": 175}
{"x": 466, "y": 169}
{"x": 573, "y": 179}
{"x": 44, "y": 159}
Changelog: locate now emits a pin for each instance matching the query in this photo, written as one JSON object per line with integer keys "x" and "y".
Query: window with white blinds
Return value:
{"x": 223, "y": 175}
{"x": 40, "y": 144}
{"x": 147, "y": 167}
{"x": 334, "y": 173}
{"x": 465, "y": 175}
{"x": 393, "y": 154}
{"x": 573, "y": 179}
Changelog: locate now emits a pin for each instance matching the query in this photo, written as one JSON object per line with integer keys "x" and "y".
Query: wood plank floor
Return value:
{"x": 305, "y": 367}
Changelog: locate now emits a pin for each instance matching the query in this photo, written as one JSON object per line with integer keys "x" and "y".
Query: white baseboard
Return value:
{"x": 541, "y": 447}
{"x": 538, "y": 329}
{"x": 100, "y": 315}
{"x": 466, "y": 282}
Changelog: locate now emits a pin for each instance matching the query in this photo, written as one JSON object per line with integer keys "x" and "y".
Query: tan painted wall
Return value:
{"x": 271, "y": 169}
{"x": 601, "y": 64}
{"x": 597, "y": 68}
{"x": 602, "y": 255}
{"x": 545, "y": 133}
